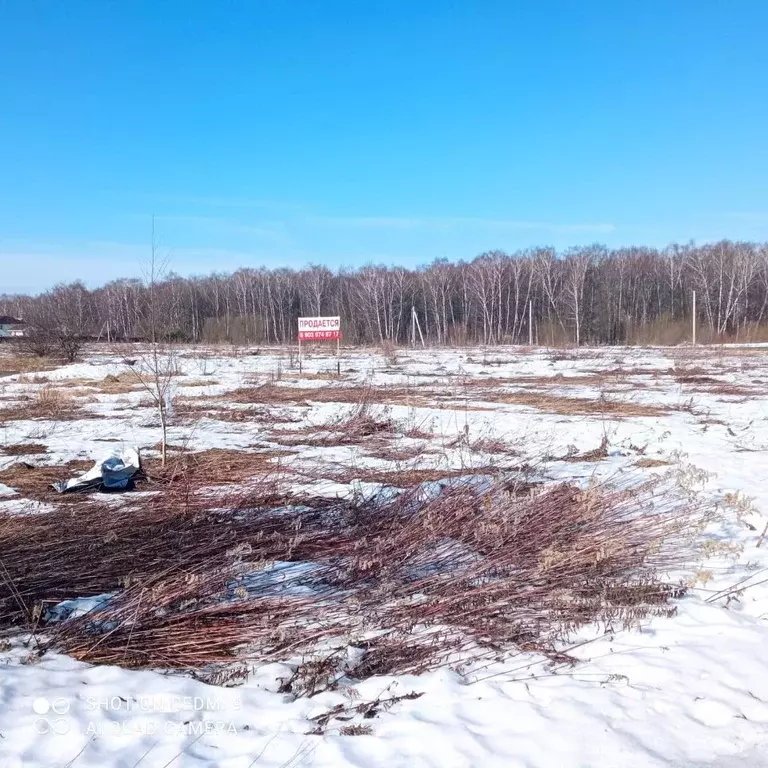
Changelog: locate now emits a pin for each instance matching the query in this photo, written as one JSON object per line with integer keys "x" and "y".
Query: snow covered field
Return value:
{"x": 690, "y": 690}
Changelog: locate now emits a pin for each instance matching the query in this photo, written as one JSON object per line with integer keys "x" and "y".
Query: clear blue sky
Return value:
{"x": 282, "y": 133}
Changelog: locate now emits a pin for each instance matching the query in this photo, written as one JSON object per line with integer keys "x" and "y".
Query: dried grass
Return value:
{"x": 215, "y": 467}
{"x": 191, "y": 409}
{"x": 49, "y": 403}
{"x": 412, "y": 581}
{"x": 12, "y": 364}
{"x": 24, "y": 449}
{"x": 390, "y": 452}
{"x": 647, "y": 463}
{"x": 596, "y": 454}
{"x": 271, "y": 393}
{"x": 119, "y": 384}
{"x": 35, "y": 482}
{"x": 406, "y": 477}
{"x": 492, "y": 445}
{"x": 199, "y": 383}
{"x": 574, "y": 406}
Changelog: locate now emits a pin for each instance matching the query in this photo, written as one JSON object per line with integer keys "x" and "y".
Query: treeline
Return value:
{"x": 585, "y": 295}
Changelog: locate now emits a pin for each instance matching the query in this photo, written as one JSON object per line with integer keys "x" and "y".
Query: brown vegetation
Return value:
{"x": 574, "y": 406}
{"x": 35, "y": 482}
{"x": 50, "y": 403}
{"x": 16, "y": 363}
{"x": 24, "y": 449}
{"x": 412, "y": 580}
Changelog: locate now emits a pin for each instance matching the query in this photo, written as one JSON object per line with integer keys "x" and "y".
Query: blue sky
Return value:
{"x": 269, "y": 132}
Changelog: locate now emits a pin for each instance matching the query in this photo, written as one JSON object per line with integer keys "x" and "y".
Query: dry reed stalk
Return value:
{"x": 416, "y": 580}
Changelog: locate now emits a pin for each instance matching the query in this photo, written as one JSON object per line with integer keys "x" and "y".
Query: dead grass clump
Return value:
{"x": 596, "y": 454}
{"x": 48, "y": 402}
{"x": 491, "y": 445}
{"x": 24, "y": 449}
{"x": 418, "y": 432}
{"x": 363, "y": 422}
{"x": 389, "y": 452}
{"x": 647, "y": 463}
{"x": 689, "y": 378}
{"x": 118, "y": 384}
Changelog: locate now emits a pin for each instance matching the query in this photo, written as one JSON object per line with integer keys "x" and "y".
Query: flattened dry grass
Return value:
{"x": 199, "y": 383}
{"x": 647, "y": 462}
{"x": 119, "y": 384}
{"x": 34, "y": 482}
{"x": 404, "y": 477}
{"x": 275, "y": 393}
{"x": 111, "y": 384}
{"x": 49, "y": 403}
{"x": 556, "y": 379}
{"x": 392, "y": 453}
{"x": 318, "y": 376}
{"x": 24, "y": 449}
{"x": 417, "y": 397}
{"x": 11, "y": 363}
{"x": 216, "y": 466}
{"x": 492, "y": 445}
{"x": 197, "y": 408}
{"x": 596, "y": 454}
{"x": 574, "y": 406}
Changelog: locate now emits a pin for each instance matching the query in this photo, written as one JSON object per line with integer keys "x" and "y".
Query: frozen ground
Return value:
{"x": 687, "y": 691}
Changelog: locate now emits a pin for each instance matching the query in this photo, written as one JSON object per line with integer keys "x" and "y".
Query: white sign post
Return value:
{"x": 321, "y": 329}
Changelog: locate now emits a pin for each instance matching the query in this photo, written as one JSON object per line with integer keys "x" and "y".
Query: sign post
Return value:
{"x": 321, "y": 329}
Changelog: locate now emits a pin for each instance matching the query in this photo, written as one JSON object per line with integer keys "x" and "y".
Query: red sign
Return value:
{"x": 319, "y": 328}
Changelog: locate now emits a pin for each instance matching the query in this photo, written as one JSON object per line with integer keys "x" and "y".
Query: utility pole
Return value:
{"x": 530, "y": 323}
{"x": 693, "y": 319}
{"x": 414, "y": 325}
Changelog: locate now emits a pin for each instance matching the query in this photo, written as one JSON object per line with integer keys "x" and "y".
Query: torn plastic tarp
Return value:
{"x": 113, "y": 473}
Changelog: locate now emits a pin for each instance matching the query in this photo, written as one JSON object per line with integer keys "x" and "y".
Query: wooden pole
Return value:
{"x": 300, "y": 361}
{"x": 693, "y": 320}
{"x": 530, "y": 323}
{"x": 418, "y": 325}
{"x": 338, "y": 355}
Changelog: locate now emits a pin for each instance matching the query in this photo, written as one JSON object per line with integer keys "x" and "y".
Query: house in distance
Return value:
{"x": 11, "y": 327}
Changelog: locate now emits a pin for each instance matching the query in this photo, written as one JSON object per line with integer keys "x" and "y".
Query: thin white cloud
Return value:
{"x": 33, "y": 267}
{"x": 751, "y": 217}
{"x": 270, "y": 230}
{"x": 207, "y": 201}
{"x": 446, "y": 223}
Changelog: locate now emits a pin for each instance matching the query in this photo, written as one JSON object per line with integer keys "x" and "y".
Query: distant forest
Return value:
{"x": 585, "y": 295}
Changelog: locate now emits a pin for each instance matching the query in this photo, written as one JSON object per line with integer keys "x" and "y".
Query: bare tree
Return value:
{"x": 157, "y": 368}
{"x": 584, "y": 294}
